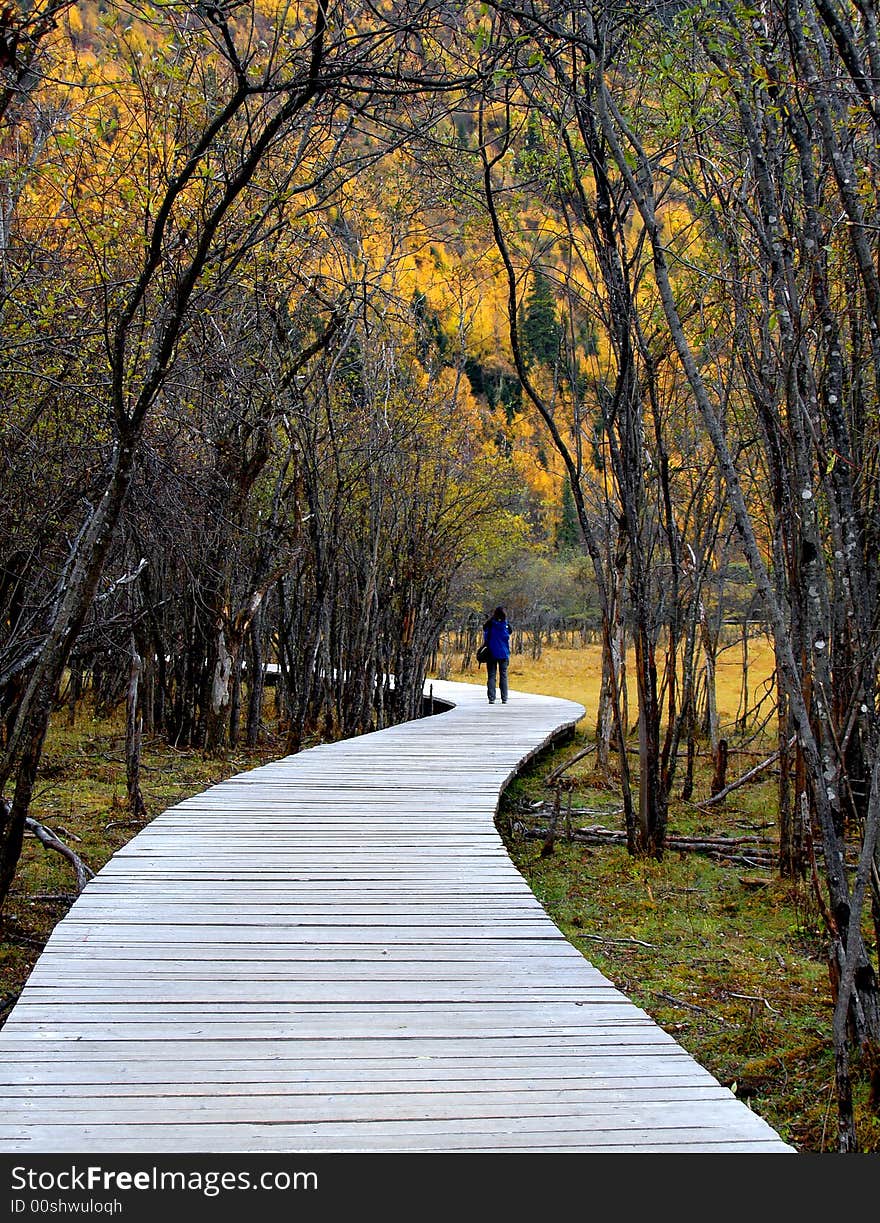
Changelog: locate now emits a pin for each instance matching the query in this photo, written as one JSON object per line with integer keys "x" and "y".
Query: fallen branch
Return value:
{"x": 553, "y": 777}
{"x": 606, "y": 812}
{"x": 65, "y": 832}
{"x": 743, "y": 780}
{"x": 748, "y": 851}
{"x": 690, "y": 1006}
{"x": 538, "y": 807}
{"x": 753, "y": 998}
{"x": 137, "y": 823}
{"x": 48, "y": 838}
{"x": 22, "y": 940}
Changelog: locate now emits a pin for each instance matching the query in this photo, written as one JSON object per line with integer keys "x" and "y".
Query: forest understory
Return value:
{"x": 725, "y": 956}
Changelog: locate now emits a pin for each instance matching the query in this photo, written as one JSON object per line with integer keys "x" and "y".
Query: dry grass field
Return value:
{"x": 576, "y": 674}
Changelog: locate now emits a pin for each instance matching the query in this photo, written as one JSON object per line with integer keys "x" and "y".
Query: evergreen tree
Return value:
{"x": 431, "y": 339}
{"x": 540, "y": 329}
{"x": 568, "y": 532}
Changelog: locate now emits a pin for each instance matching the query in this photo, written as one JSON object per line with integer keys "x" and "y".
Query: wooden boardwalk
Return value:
{"x": 334, "y": 952}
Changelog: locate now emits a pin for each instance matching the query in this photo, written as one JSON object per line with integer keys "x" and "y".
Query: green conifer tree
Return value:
{"x": 568, "y": 532}
{"x": 540, "y": 329}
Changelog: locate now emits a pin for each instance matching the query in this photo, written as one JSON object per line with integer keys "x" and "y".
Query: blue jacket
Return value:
{"x": 496, "y": 635}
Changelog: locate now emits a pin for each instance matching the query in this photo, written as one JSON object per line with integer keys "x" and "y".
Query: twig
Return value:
{"x": 827, "y": 915}
{"x": 622, "y": 942}
{"x": 48, "y": 838}
{"x": 125, "y": 580}
{"x": 610, "y": 812}
{"x": 22, "y": 940}
{"x": 690, "y": 1006}
{"x": 752, "y": 998}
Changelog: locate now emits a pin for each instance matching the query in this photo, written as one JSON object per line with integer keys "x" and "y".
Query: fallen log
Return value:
{"x": 48, "y": 838}
{"x": 748, "y": 851}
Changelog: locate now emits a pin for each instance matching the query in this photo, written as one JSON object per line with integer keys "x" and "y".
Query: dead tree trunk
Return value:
{"x": 719, "y": 776}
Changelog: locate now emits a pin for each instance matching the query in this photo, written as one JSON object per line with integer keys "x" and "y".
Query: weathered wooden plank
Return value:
{"x": 215, "y": 985}
{"x": 640, "y": 1073}
{"x": 530, "y": 953}
{"x": 486, "y": 1135}
{"x": 238, "y": 984}
{"x": 561, "y": 1108}
{"x": 121, "y": 1140}
{"x": 623, "y": 1042}
{"x": 300, "y": 1019}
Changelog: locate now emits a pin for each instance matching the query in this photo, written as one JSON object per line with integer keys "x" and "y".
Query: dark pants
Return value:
{"x": 498, "y": 665}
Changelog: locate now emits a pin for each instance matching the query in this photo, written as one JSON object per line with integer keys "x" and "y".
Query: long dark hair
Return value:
{"x": 499, "y": 614}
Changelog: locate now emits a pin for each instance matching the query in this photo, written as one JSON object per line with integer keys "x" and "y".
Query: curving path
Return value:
{"x": 334, "y": 952}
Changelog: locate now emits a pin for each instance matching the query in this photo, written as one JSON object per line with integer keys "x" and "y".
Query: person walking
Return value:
{"x": 496, "y": 638}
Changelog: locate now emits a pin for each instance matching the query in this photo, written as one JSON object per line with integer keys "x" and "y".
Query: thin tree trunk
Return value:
{"x": 742, "y": 719}
{"x": 719, "y": 775}
{"x": 256, "y": 680}
{"x": 605, "y": 713}
{"x": 74, "y": 694}
{"x": 21, "y": 756}
{"x": 235, "y": 704}
{"x": 219, "y": 692}
{"x": 133, "y": 735}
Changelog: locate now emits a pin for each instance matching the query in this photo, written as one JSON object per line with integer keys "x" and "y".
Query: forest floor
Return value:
{"x": 725, "y": 956}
